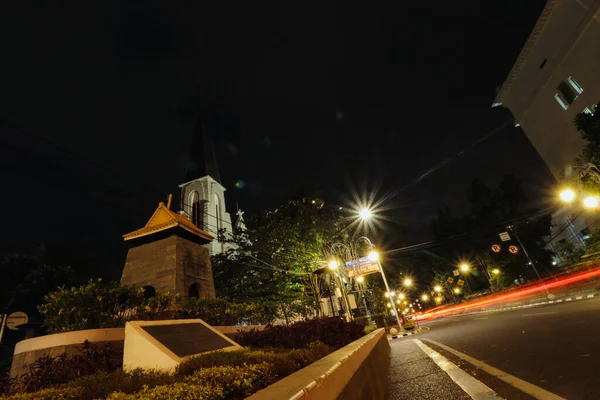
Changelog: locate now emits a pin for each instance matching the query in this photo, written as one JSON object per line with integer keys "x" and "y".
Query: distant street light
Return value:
{"x": 567, "y": 195}
{"x": 407, "y": 282}
{"x": 437, "y": 288}
{"x": 495, "y": 271}
{"x": 401, "y": 296}
{"x": 438, "y": 299}
{"x": 464, "y": 267}
{"x": 424, "y": 297}
{"x": 332, "y": 264}
{"x": 456, "y": 290}
{"x": 360, "y": 279}
{"x": 373, "y": 256}
{"x": 389, "y": 305}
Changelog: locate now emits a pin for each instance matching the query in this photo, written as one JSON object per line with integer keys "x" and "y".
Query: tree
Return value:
{"x": 276, "y": 257}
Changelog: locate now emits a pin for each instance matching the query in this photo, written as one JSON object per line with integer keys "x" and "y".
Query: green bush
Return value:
{"x": 51, "y": 371}
{"x": 96, "y": 305}
{"x": 369, "y": 328}
{"x": 334, "y": 332}
{"x": 284, "y": 362}
{"x": 64, "y": 393}
{"x": 176, "y": 391}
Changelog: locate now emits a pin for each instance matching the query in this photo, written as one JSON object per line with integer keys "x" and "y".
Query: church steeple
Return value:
{"x": 202, "y": 160}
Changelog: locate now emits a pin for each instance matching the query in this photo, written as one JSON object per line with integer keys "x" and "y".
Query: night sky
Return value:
{"x": 99, "y": 107}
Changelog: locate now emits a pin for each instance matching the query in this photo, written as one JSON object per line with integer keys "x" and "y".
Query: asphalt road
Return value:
{"x": 556, "y": 346}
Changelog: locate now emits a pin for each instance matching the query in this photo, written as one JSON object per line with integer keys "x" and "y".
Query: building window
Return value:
{"x": 561, "y": 101}
{"x": 567, "y": 92}
{"x": 575, "y": 85}
{"x": 543, "y": 63}
{"x": 197, "y": 213}
{"x": 588, "y": 111}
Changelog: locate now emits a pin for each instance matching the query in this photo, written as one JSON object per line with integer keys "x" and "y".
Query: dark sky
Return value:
{"x": 99, "y": 106}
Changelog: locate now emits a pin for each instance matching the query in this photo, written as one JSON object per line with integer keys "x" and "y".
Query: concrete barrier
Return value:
{"x": 356, "y": 371}
{"x": 29, "y": 351}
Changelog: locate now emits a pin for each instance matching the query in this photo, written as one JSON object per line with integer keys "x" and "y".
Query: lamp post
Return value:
{"x": 333, "y": 265}
{"x": 373, "y": 256}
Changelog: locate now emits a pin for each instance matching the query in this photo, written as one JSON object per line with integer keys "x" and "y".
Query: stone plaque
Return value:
{"x": 187, "y": 339}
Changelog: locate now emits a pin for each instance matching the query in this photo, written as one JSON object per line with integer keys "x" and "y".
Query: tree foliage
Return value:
{"x": 274, "y": 259}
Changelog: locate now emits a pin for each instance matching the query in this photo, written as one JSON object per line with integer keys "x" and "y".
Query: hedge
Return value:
{"x": 218, "y": 375}
{"x": 96, "y": 305}
{"x": 334, "y": 332}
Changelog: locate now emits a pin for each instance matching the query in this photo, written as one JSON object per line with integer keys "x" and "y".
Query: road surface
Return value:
{"x": 555, "y": 347}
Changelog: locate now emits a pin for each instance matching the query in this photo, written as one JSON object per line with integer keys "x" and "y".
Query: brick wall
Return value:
{"x": 171, "y": 264}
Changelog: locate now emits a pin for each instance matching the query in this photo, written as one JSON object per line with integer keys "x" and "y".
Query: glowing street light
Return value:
{"x": 465, "y": 267}
{"x": 401, "y": 296}
{"x": 424, "y": 297}
{"x": 373, "y": 256}
{"x": 456, "y": 290}
{"x": 590, "y": 202}
{"x": 567, "y": 195}
{"x": 495, "y": 271}
{"x": 438, "y": 300}
{"x": 389, "y": 305}
{"x": 332, "y": 264}
{"x": 360, "y": 279}
{"x": 407, "y": 282}
{"x": 437, "y": 288}
{"x": 365, "y": 214}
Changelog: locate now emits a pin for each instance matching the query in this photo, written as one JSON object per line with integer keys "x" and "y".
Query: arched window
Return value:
{"x": 197, "y": 212}
{"x": 194, "y": 290}
{"x": 149, "y": 292}
{"x": 218, "y": 213}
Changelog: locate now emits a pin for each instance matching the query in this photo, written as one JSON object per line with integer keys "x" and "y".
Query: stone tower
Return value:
{"x": 169, "y": 254}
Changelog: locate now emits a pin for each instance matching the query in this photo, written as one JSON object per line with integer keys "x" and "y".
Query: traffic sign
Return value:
{"x": 513, "y": 249}
{"x": 504, "y": 236}
{"x": 16, "y": 319}
{"x": 496, "y": 248}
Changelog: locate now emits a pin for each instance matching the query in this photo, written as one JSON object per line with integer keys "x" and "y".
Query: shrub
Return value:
{"x": 333, "y": 332}
{"x": 176, "y": 391}
{"x": 370, "y": 328}
{"x": 284, "y": 362}
{"x": 50, "y": 371}
{"x": 65, "y": 393}
{"x": 96, "y": 305}
{"x": 237, "y": 382}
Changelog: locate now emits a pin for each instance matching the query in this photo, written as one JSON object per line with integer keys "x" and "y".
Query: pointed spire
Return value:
{"x": 202, "y": 160}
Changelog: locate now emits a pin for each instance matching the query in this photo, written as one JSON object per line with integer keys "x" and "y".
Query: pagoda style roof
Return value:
{"x": 164, "y": 219}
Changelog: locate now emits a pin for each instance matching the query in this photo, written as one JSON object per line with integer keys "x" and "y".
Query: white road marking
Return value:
{"x": 578, "y": 297}
{"x": 569, "y": 299}
{"x": 524, "y": 386}
{"x": 590, "y": 296}
{"x": 541, "y": 313}
{"x": 559, "y": 301}
{"x": 474, "y": 388}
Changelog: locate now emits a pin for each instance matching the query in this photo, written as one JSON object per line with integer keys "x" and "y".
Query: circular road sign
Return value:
{"x": 513, "y": 249}
{"x": 496, "y": 248}
{"x": 16, "y": 319}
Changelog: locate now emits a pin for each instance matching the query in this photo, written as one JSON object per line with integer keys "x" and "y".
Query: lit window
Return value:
{"x": 575, "y": 85}
{"x": 568, "y": 94}
{"x": 562, "y": 102}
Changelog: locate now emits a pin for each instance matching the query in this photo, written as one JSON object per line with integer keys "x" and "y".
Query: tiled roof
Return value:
{"x": 164, "y": 219}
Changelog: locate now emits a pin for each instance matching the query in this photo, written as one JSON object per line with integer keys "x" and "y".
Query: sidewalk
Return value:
{"x": 418, "y": 372}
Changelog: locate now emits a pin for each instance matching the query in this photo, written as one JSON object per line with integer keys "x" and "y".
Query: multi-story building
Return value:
{"x": 555, "y": 77}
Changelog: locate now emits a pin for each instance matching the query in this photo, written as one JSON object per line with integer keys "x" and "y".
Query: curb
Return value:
{"x": 417, "y": 330}
{"x": 565, "y": 300}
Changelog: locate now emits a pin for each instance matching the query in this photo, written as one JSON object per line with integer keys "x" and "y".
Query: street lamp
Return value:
{"x": 360, "y": 279}
{"x": 332, "y": 265}
{"x": 365, "y": 214}
{"x": 401, "y": 296}
{"x": 437, "y": 288}
{"x": 465, "y": 267}
{"x": 456, "y": 290}
{"x": 407, "y": 282}
{"x": 567, "y": 195}
{"x": 590, "y": 202}
{"x": 495, "y": 271}
{"x": 424, "y": 297}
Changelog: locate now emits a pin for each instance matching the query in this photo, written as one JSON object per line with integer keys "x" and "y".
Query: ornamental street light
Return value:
{"x": 365, "y": 214}
{"x": 360, "y": 279}
{"x": 407, "y": 282}
{"x": 437, "y": 288}
{"x": 465, "y": 267}
{"x": 333, "y": 265}
{"x": 456, "y": 290}
{"x": 495, "y": 271}
{"x": 424, "y": 297}
{"x": 590, "y": 202}
{"x": 567, "y": 195}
